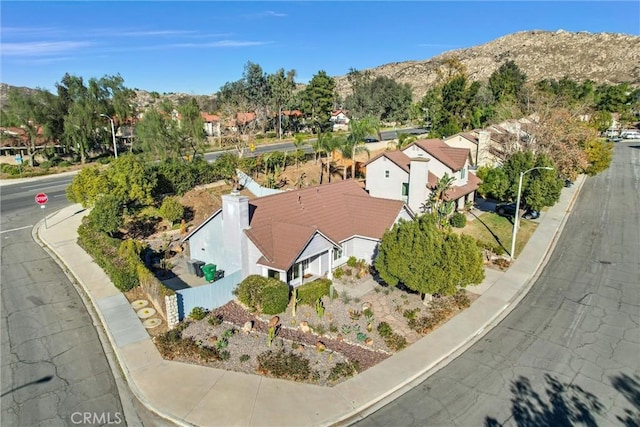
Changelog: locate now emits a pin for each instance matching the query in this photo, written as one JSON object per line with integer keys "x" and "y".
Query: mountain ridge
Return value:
{"x": 610, "y": 58}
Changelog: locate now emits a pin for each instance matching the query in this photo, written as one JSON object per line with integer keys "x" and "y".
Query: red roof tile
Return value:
{"x": 453, "y": 158}
{"x": 282, "y": 224}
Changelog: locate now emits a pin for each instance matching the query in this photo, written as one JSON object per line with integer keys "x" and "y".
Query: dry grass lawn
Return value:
{"x": 496, "y": 230}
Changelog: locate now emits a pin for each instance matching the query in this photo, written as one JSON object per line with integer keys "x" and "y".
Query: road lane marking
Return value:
{"x": 15, "y": 229}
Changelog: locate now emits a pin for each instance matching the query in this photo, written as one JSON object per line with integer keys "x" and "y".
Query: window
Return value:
{"x": 405, "y": 188}
{"x": 463, "y": 172}
{"x": 386, "y": 174}
{"x": 337, "y": 253}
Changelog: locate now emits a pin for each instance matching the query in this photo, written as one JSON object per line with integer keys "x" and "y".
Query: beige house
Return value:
{"x": 484, "y": 147}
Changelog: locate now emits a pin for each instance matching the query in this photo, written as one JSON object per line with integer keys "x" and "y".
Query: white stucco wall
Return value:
{"x": 379, "y": 186}
{"x": 435, "y": 166}
{"x": 361, "y": 248}
{"x": 253, "y": 255}
{"x": 206, "y": 244}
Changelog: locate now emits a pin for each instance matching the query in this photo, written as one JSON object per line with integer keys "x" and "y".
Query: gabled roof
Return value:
{"x": 403, "y": 161}
{"x": 283, "y": 224}
{"x": 469, "y": 136}
{"x": 473, "y": 182}
{"x": 453, "y": 158}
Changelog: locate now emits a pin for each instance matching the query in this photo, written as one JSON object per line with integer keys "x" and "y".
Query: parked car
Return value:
{"x": 509, "y": 209}
{"x": 630, "y": 135}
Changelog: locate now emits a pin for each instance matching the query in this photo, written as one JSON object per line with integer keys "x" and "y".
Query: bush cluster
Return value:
{"x": 282, "y": 364}
{"x": 309, "y": 293}
{"x": 458, "y": 220}
{"x": 172, "y": 344}
{"x": 120, "y": 260}
{"x": 439, "y": 310}
{"x": 264, "y": 294}
{"x": 343, "y": 370}
{"x": 395, "y": 342}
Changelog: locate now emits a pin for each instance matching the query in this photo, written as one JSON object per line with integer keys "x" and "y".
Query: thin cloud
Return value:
{"x": 267, "y": 14}
{"x": 41, "y": 48}
{"x": 222, "y": 43}
{"x": 153, "y": 33}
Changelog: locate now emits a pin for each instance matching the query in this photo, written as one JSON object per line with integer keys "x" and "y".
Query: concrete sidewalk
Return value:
{"x": 195, "y": 395}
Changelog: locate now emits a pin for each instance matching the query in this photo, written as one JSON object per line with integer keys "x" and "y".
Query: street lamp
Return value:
{"x": 517, "y": 215}
{"x": 113, "y": 134}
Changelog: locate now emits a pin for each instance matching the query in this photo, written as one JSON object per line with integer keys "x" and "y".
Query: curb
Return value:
{"x": 117, "y": 365}
{"x": 484, "y": 329}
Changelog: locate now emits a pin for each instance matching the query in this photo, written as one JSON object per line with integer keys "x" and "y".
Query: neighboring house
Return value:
{"x": 296, "y": 235}
{"x": 340, "y": 120}
{"x": 484, "y": 150}
{"x": 211, "y": 124}
{"x": 411, "y": 174}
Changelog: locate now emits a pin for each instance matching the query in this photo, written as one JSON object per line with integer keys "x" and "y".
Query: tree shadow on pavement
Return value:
{"x": 630, "y": 388}
{"x": 562, "y": 405}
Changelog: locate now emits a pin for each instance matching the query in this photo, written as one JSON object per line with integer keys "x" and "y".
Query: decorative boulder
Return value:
{"x": 369, "y": 341}
{"x": 340, "y": 338}
{"x": 320, "y": 346}
{"x": 304, "y": 327}
{"x": 274, "y": 321}
{"x": 366, "y": 305}
{"x": 248, "y": 326}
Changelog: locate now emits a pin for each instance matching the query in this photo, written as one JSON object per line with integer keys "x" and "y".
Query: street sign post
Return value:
{"x": 19, "y": 162}
{"x": 41, "y": 199}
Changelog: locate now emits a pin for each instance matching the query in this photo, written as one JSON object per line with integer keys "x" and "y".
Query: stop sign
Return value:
{"x": 41, "y": 198}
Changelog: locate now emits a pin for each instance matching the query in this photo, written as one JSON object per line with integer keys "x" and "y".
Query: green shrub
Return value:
{"x": 244, "y": 358}
{"x": 268, "y": 295}
{"x": 271, "y": 134}
{"x": 458, "y": 220}
{"x": 309, "y": 292}
{"x": 198, "y": 313}
{"x": 171, "y": 209}
{"x": 275, "y": 296}
{"x": 45, "y": 165}
{"x": 259, "y": 136}
{"x": 384, "y": 329}
{"x": 338, "y": 273}
{"x": 12, "y": 170}
{"x": 64, "y": 164}
{"x": 352, "y": 262}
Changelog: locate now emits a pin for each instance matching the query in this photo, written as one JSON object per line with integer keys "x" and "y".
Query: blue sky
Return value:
{"x": 196, "y": 47}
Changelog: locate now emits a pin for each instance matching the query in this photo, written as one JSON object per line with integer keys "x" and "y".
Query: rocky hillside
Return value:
{"x": 602, "y": 57}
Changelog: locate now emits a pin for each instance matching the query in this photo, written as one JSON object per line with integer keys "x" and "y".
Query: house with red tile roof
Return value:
{"x": 211, "y": 124}
{"x": 411, "y": 174}
{"x": 295, "y": 235}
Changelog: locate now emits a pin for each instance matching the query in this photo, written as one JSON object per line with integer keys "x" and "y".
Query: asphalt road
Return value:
{"x": 569, "y": 353}
{"x": 54, "y": 370}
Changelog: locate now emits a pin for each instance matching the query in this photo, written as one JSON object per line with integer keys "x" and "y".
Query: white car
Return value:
{"x": 630, "y": 135}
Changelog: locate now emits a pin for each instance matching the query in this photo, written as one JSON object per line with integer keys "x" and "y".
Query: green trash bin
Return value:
{"x": 209, "y": 271}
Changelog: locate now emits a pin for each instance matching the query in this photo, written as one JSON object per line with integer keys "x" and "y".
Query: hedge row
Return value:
{"x": 310, "y": 292}
{"x": 120, "y": 260}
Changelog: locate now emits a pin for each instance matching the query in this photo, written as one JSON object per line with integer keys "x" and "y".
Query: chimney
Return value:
{"x": 482, "y": 153}
{"x": 235, "y": 219}
{"x": 418, "y": 177}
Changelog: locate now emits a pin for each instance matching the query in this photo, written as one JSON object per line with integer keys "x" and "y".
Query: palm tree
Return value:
{"x": 358, "y": 131}
{"x": 404, "y": 139}
{"x": 437, "y": 201}
{"x": 328, "y": 145}
{"x": 298, "y": 140}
